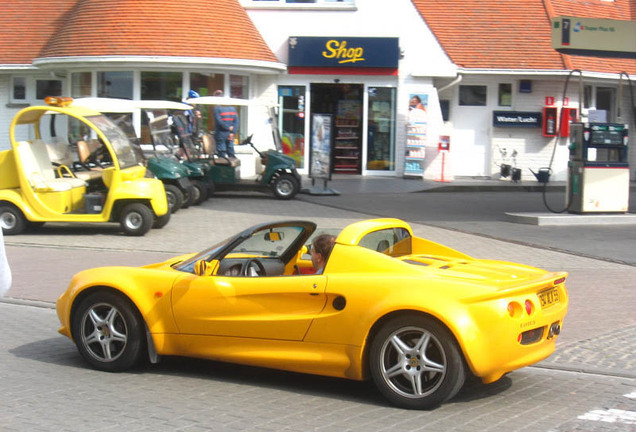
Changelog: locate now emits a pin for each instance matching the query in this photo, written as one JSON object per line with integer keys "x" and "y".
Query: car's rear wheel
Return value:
{"x": 174, "y": 197}
{"x": 12, "y": 221}
{"x": 108, "y": 332}
{"x": 136, "y": 219}
{"x": 416, "y": 363}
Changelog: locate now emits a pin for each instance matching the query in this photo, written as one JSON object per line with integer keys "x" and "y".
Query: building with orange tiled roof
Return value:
{"x": 393, "y": 79}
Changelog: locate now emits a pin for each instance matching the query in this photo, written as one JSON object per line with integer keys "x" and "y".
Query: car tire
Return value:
{"x": 136, "y": 219}
{"x": 201, "y": 192}
{"x": 108, "y": 331}
{"x": 285, "y": 186}
{"x": 12, "y": 220}
{"x": 174, "y": 197}
{"x": 416, "y": 363}
{"x": 161, "y": 221}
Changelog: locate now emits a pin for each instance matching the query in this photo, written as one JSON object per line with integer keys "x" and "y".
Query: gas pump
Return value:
{"x": 598, "y": 175}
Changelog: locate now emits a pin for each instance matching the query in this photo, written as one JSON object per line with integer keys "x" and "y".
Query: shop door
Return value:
{"x": 344, "y": 102}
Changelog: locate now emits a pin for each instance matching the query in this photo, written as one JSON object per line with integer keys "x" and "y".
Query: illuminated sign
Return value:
{"x": 343, "y": 52}
{"x": 594, "y": 37}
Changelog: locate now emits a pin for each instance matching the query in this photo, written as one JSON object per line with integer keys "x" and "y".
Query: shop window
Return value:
{"x": 18, "y": 92}
{"x": 115, "y": 85}
{"x": 472, "y": 95}
{"x": 162, "y": 86}
{"x": 239, "y": 86}
{"x": 505, "y": 95}
{"x": 587, "y": 96}
{"x": 206, "y": 84}
{"x": 381, "y": 129}
{"x": 291, "y": 122}
{"x": 44, "y": 88}
{"x": 81, "y": 84}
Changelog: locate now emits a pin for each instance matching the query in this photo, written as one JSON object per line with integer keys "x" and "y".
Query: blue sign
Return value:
{"x": 358, "y": 52}
{"x": 516, "y": 119}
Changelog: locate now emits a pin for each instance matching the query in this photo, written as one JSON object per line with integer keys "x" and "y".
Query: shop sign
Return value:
{"x": 516, "y": 119}
{"x": 345, "y": 52}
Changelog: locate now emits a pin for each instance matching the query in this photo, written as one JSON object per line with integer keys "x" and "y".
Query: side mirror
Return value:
{"x": 204, "y": 268}
{"x": 247, "y": 140}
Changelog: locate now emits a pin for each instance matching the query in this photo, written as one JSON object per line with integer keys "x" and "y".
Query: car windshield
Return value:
{"x": 270, "y": 243}
{"x": 118, "y": 139}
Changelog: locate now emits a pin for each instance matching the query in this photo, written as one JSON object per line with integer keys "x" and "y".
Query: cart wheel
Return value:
{"x": 189, "y": 195}
{"x": 12, "y": 221}
{"x": 136, "y": 219}
{"x": 201, "y": 192}
{"x": 161, "y": 221}
{"x": 174, "y": 197}
{"x": 286, "y": 186}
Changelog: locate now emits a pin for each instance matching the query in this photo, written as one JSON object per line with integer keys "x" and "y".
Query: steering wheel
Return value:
{"x": 98, "y": 157}
{"x": 253, "y": 267}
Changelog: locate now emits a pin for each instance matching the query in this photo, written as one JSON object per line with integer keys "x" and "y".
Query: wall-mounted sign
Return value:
{"x": 594, "y": 37}
{"x": 343, "y": 52}
{"x": 516, "y": 119}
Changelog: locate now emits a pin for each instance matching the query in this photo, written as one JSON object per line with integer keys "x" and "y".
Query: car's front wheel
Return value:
{"x": 108, "y": 332}
{"x": 416, "y": 363}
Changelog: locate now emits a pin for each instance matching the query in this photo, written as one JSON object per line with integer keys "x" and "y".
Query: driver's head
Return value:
{"x": 320, "y": 249}
{"x": 218, "y": 93}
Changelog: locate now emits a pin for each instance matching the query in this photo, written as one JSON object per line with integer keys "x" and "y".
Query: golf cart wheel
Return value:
{"x": 174, "y": 197}
{"x": 12, "y": 221}
{"x": 189, "y": 195}
{"x": 286, "y": 186}
{"x": 415, "y": 362}
{"x": 161, "y": 221}
{"x": 136, "y": 219}
{"x": 201, "y": 191}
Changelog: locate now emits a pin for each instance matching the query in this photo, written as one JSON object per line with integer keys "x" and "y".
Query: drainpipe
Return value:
{"x": 451, "y": 84}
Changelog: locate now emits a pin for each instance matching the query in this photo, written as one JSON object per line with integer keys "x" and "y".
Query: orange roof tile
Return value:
{"x": 27, "y": 26}
{"x": 198, "y": 28}
{"x": 495, "y": 34}
{"x": 70, "y": 28}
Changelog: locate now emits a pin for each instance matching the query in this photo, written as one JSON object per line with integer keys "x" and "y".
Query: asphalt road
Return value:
{"x": 484, "y": 213}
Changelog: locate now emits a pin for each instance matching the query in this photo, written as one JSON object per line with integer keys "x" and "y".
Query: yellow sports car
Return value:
{"x": 411, "y": 314}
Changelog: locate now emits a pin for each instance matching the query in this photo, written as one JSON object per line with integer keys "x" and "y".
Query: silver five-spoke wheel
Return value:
{"x": 104, "y": 332}
{"x": 108, "y": 331}
{"x": 415, "y": 362}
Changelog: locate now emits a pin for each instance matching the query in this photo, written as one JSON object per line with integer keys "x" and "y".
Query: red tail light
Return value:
{"x": 529, "y": 307}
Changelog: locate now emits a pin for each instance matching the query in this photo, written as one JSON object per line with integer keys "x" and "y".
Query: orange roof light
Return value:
{"x": 58, "y": 101}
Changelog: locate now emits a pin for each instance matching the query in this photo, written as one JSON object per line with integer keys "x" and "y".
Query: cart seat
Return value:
{"x": 209, "y": 147}
{"x": 38, "y": 168}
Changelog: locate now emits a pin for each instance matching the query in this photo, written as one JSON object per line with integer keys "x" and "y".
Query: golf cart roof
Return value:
{"x": 217, "y": 100}
{"x": 114, "y": 105}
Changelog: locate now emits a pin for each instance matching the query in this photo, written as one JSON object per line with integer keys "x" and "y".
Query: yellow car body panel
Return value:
{"x": 324, "y": 323}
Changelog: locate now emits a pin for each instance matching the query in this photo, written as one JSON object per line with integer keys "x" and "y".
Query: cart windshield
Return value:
{"x": 118, "y": 139}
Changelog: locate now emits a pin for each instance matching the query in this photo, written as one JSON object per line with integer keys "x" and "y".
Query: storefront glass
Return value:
{"x": 381, "y": 129}
{"x": 239, "y": 86}
{"x": 291, "y": 118}
{"x": 115, "y": 85}
{"x": 161, "y": 86}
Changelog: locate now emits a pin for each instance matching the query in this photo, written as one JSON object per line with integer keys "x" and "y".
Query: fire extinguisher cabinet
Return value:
{"x": 550, "y": 116}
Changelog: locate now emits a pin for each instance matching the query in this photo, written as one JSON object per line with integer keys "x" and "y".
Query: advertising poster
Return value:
{"x": 416, "y": 135}
{"x": 320, "y": 146}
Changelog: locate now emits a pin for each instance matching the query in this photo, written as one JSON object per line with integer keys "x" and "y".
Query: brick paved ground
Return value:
{"x": 48, "y": 387}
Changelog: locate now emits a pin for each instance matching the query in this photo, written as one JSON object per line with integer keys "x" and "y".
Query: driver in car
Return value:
{"x": 320, "y": 249}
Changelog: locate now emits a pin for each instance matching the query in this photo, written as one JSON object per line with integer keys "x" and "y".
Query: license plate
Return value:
{"x": 549, "y": 297}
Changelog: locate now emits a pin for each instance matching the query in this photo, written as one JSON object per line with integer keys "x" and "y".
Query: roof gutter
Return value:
{"x": 538, "y": 72}
{"x": 164, "y": 62}
{"x": 453, "y": 83}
